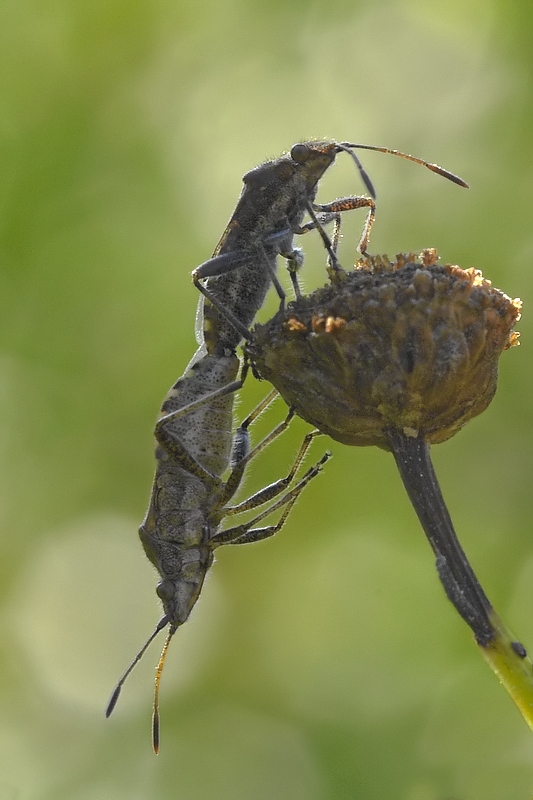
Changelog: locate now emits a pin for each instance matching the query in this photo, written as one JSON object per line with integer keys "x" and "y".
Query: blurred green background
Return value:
{"x": 326, "y": 663}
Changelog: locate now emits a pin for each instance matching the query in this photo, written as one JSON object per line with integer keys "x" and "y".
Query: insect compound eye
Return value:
{"x": 165, "y": 590}
{"x": 300, "y": 153}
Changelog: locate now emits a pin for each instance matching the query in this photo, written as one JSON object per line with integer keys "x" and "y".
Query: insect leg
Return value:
{"x": 241, "y": 445}
{"x": 274, "y": 278}
{"x": 323, "y": 219}
{"x": 220, "y": 306}
{"x": 270, "y": 492}
{"x": 219, "y": 265}
{"x": 246, "y": 533}
{"x": 227, "y": 262}
{"x": 294, "y": 265}
{"x": 349, "y": 204}
{"x": 241, "y": 439}
{"x": 295, "y": 260}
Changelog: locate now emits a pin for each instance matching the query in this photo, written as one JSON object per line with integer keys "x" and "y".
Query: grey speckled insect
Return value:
{"x": 275, "y": 198}
{"x": 189, "y": 500}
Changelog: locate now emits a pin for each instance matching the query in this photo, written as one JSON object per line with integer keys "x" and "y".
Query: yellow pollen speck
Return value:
{"x": 429, "y": 256}
{"x": 294, "y": 326}
{"x": 334, "y": 324}
{"x": 513, "y": 340}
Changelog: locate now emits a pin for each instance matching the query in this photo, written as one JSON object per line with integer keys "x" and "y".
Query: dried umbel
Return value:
{"x": 410, "y": 345}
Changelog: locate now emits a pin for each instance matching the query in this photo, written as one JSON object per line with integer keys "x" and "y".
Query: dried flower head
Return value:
{"x": 410, "y": 345}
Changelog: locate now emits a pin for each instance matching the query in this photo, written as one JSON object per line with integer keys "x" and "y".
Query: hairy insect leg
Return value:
{"x": 274, "y": 489}
{"x": 239, "y": 326}
{"x": 294, "y": 264}
{"x": 241, "y": 440}
{"x": 321, "y": 221}
{"x": 336, "y": 232}
{"x": 333, "y": 267}
{"x": 350, "y": 204}
{"x": 241, "y": 454}
{"x": 332, "y": 255}
{"x": 274, "y": 278}
{"x": 246, "y": 533}
{"x": 227, "y": 262}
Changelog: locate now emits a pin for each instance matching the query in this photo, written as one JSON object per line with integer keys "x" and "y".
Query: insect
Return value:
{"x": 275, "y": 198}
{"x": 189, "y": 499}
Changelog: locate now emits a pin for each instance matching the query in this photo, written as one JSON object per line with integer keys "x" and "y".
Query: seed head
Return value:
{"x": 411, "y": 345}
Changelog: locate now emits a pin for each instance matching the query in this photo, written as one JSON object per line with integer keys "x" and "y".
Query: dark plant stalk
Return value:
{"x": 505, "y": 655}
{"x": 460, "y": 584}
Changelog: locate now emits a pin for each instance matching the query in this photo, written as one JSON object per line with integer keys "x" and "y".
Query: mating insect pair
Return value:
{"x": 194, "y": 434}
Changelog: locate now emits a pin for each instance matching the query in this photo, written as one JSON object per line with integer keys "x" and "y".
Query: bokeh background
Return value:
{"x": 324, "y": 664}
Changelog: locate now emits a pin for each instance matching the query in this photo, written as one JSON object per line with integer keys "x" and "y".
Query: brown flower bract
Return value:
{"x": 410, "y": 345}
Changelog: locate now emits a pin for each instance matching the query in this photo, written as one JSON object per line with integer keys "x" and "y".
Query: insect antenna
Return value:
{"x": 159, "y": 671}
{"x": 163, "y": 622}
{"x": 362, "y": 171}
{"x": 433, "y": 167}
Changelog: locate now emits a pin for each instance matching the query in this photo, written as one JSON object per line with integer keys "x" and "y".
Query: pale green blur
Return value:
{"x": 325, "y": 664}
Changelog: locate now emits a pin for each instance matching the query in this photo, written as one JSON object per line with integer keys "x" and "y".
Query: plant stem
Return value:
{"x": 505, "y": 655}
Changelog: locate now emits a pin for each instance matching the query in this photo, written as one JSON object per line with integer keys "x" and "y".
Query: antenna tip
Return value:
{"x": 155, "y": 732}
{"x": 113, "y": 701}
{"x": 447, "y": 174}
